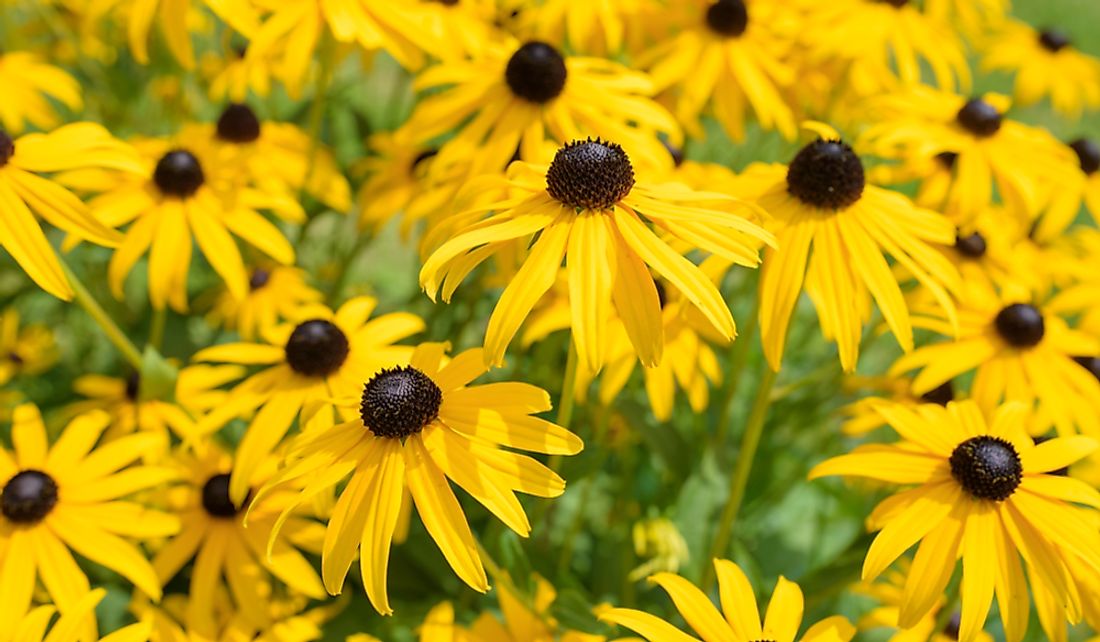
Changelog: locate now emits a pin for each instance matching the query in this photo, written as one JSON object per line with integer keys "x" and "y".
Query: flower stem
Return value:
{"x": 115, "y": 334}
{"x": 327, "y": 55}
{"x": 156, "y": 329}
{"x": 739, "y": 354}
{"x": 568, "y": 387}
{"x": 740, "y": 478}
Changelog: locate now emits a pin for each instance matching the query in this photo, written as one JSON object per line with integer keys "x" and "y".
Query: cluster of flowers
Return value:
{"x": 548, "y": 155}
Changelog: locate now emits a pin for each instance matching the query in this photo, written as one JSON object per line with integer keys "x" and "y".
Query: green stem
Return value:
{"x": 739, "y": 355}
{"x": 567, "y": 399}
{"x": 739, "y": 481}
{"x": 115, "y": 334}
{"x": 327, "y": 55}
{"x": 156, "y": 329}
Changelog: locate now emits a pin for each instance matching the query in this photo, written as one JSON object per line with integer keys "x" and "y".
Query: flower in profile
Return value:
{"x": 983, "y": 493}
{"x": 1045, "y": 64}
{"x": 1073, "y": 190}
{"x": 513, "y": 97}
{"x": 729, "y": 55}
{"x": 587, "y": 208}
{"x": 972, "y": 16}
{"x": 34, "y": 626}
{"x": 275, "y": 293}
{"x": 421, "y": 424}
{"x": 598, "y": 28}
{"x": 184, "y": 193}
{"x": 29, "y": 83}
{"x": 883, "y": 41}
{"x": 28, "y": 351}
{"x": 862, "y": 416}
{"x": 68, "y": 498}
{"x": 23, "y": 190}
{"x": 320, "y": 354}
{"x": 739, "y": 619}
{"x": 232, "y": 74}
{"x": 988, "y": 152}
{"x": 1019, "y": 352}
{"x": 834, "y": 231}
{"x": 225, "y": 553}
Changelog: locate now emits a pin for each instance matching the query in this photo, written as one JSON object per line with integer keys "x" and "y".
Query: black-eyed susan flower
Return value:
{"x": 184, "y": 194}
{"x": 989, "y": 152}
{"x": 275, "y": 293}
{"x": 225, "y": 553}
{"x": 319, "y": 355}
{"x": 24, "y": 190}
{"x": 26, "y": 350}
{"x": 30, "y": 83}
{"x": 587, "y": 209}
{"x": 982, "y": 492}
{"x": 35, "y": 626}
{"x": 885, "y": 40}
{"x": 421, "y": 424}
{"x": 514, "y": 97}
{"x": 727, "y": 55}
{"x": 1044, "y": 64}
{"x": 70, "y": 498}
{"x": 889, "y": 592}
{"x": 972, "y": 16}
{"x": 1019, "y": 352}
{"x": 599, "y": 28}
{"x": 1073, "y": 189}
{"x": 834, "y": 233}
{"x": 739, "y": 619}
{"x": 862, "y": 416}
{"x": 233, "y": 74}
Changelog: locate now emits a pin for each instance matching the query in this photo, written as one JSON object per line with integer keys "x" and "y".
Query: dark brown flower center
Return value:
{"x": 987, "y": 467}
{"x": 940, "y": 395}
{"x": 971, "y": 246}
{"x": 728, "y": 18}
{"x": 316, "y": 348}
{"x": 7, "y": 148}
{"x": 399, "y": 402}
{"x": 947, "y": 159}
{"x": 1021, "y": 325}
{"x": 215, "y": 497}
{"x": 1092, "y": 364}
{"x": 979, "y": 118}
{"x": 133, "y": 386}
{"x": 238, "y": 124}
{"x": 536, "y": 72}
{"x": 28, "y": 497}
{"x": 259, "y": 279}
{"x": 826, "y": 174}
{"x": 178, "y": 174}
{"x": 951, "y": 629}
{"x": 1088, "y": 154}
{"x": 590, "y": 174}
{"x": 1053, "y": 40}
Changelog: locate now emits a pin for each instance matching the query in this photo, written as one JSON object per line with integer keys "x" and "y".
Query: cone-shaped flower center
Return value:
{"x": 947, "y": 159}
{"x": 1092, "y": 364}
{"x": 979, "y": 118}
{"x": 987, "y": 467}
{"x": 1088, "y": 154}
{"x": 951, "y": 629}
{"x": 826, "y": 174}
{"x": 728, "y": 17}
{"x": 316, "y": 348}
{"x": 1053, "y": 40}
{"x": 7, "y": 148}
{"x": 941, "y": 394}
{"x": 972, "y": 245}
{"x": 28, "y": 497}
{"x": 215, "y": 497}
{"x": 1021, "y": 325}
{"x": 536, "y": 72}
{"x": 590, "y": 174}
{"x": 259, "y": 279}
{"x": 399, "y": 402}
{"x": 238, "y": 124}
{"x": 178, "y": 173}
{"x": 133, "y": 386}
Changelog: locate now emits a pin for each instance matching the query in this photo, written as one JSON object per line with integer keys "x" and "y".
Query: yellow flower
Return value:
{"x": 29, "y": 84}
{"x": 1019, "y": 352}
{"x": 233, "y": 74}
{"x": 739, "y": 620}
{"x": 213, "y": 534}
{"x": 186, "y": 192}
{"x": 23, "y": 189}
{"x": 513, "y": 97}
{"x": 886, "y": 40}
{"x": 660, "y": 543}
{"x": 275, "y": 293}
{"x": 834, "y": 231}
{"x": 599, "y": 28}
{"x": 728, "y": 54}
{"x": 588, "y": 209}
{"x": 862, "y": 416}
{"x": 33, "y": 627}
{"x": 70, "y": 497}
{"x": 1045, "y": 64}
{"x": 972, "y": 16}
{"x": 319, "y": 356}
{"x": 989, "y": 151}
{"x": 983, "y": 493}
{"x": 418, "y": 426}
{"x": 1074, "y": 189}
{"x": 27, "y": 351}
